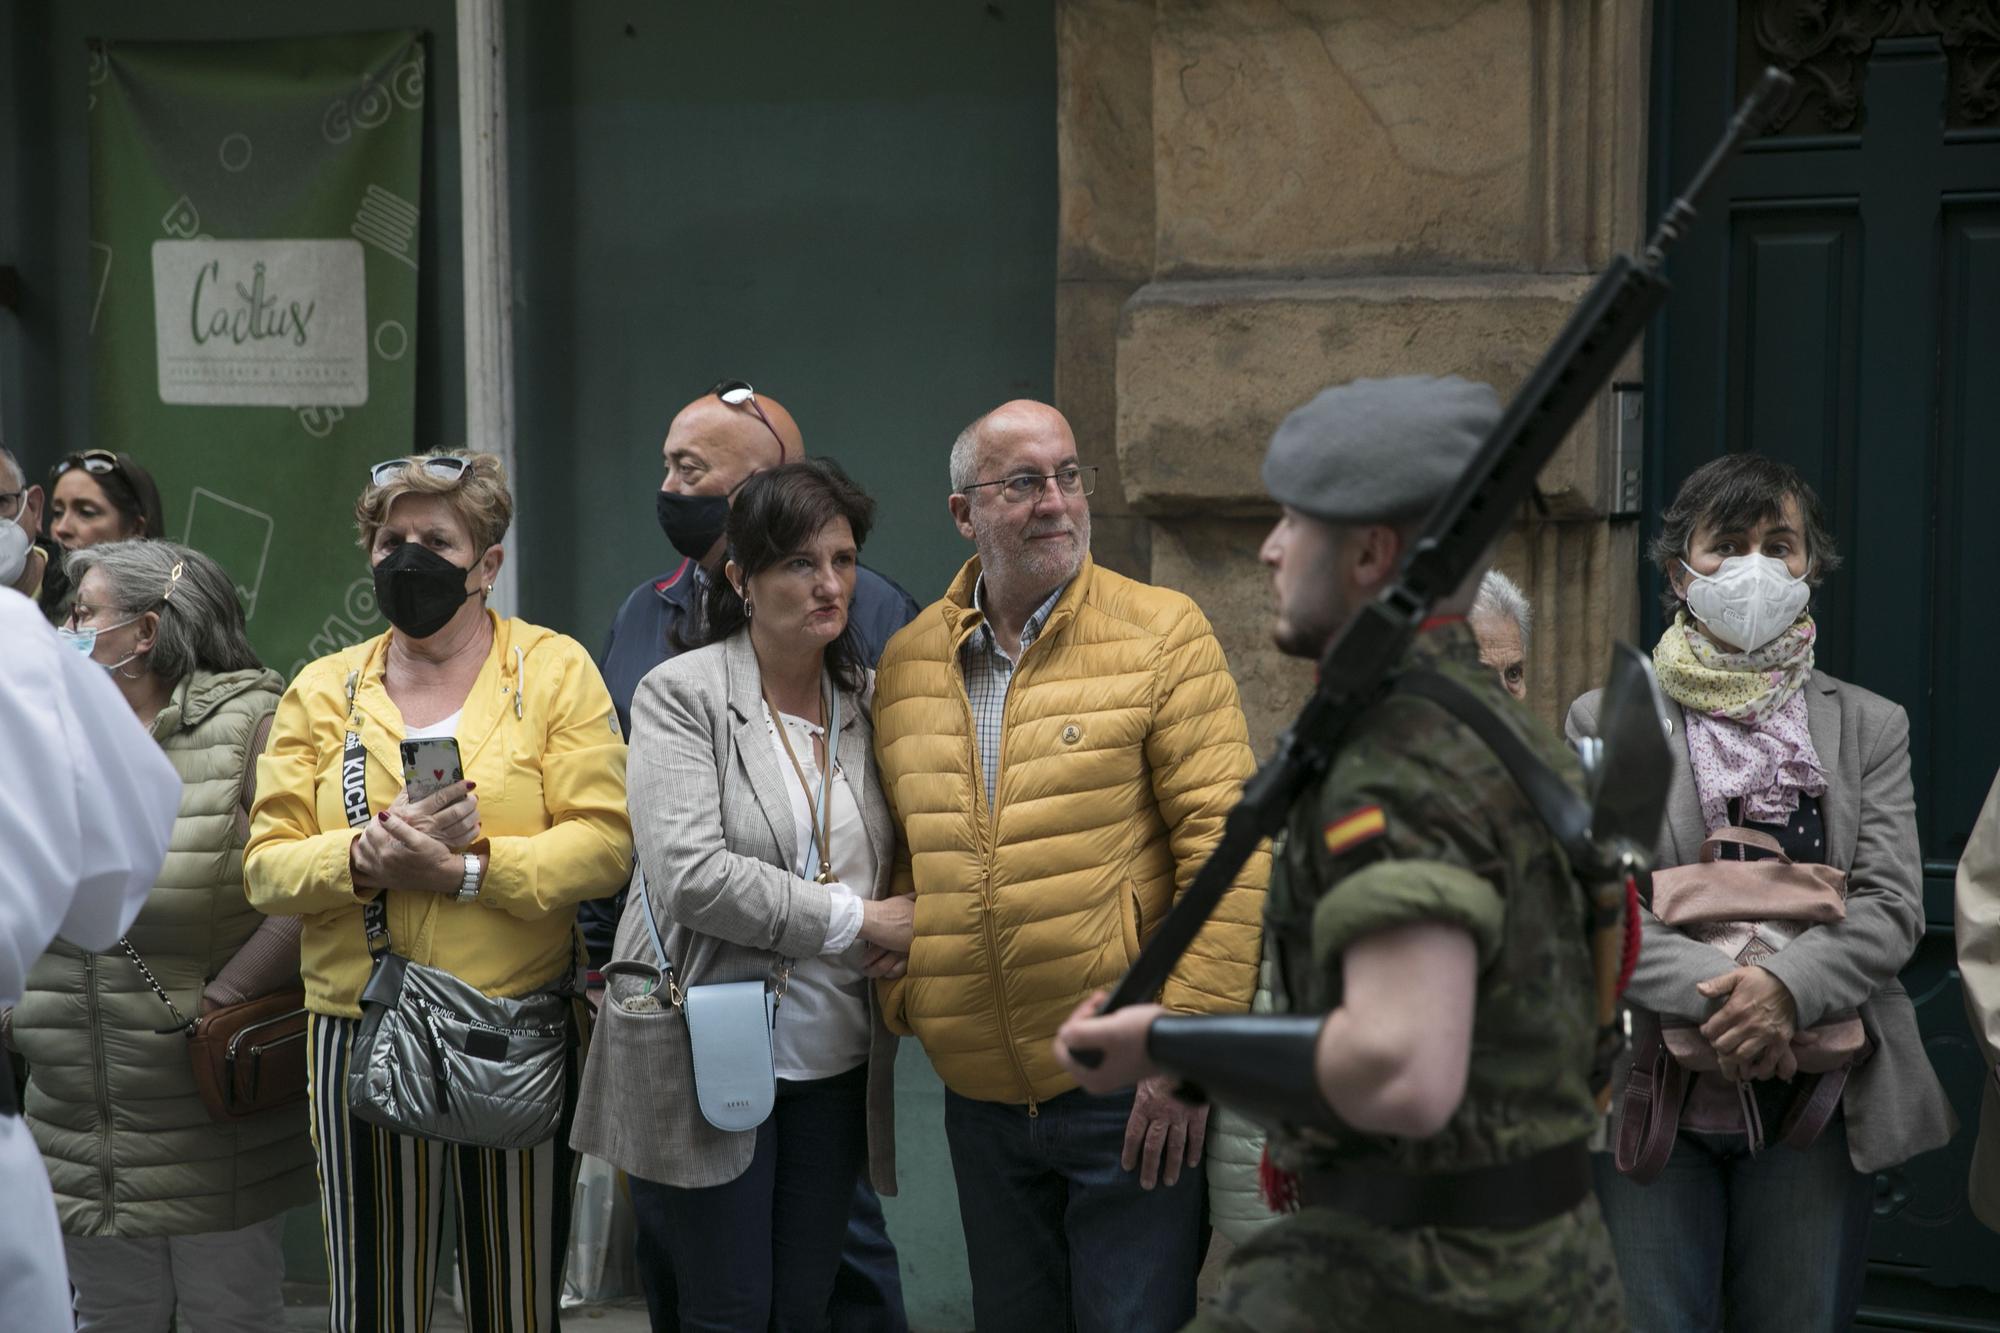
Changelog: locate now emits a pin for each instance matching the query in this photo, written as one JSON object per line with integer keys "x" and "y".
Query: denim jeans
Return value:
{"x": 760, "y": 1251}
{"x": 1773, "y": 1242}
{"x": 1060, "y": 1236}
{"x": 867, "y": 1288}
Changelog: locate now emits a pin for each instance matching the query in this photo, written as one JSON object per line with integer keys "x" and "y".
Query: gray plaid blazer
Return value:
{"x": 1894, "y": 1104}
{"x": 712, "y": 823}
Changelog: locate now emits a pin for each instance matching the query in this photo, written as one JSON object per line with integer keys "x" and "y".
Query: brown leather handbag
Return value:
{"x": 248, "y": 1057}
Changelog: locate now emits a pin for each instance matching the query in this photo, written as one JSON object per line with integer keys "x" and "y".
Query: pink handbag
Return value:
{"x": 1750, "y": 910}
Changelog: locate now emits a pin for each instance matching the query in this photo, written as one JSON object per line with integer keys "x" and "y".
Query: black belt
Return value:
{"x": 8, "y": 1106}
{"x": 1518, "y": 1194}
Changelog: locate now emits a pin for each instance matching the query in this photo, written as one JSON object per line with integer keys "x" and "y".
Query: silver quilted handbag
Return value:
{"x": 439, "y": 1059}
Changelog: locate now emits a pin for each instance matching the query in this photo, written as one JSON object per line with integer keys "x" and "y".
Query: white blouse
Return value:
{"x": 823, "y": 1025}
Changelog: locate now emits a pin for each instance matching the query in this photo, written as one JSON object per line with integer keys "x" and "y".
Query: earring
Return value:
{"x": 489, "y": 590}
{"x": 748, "y": 609}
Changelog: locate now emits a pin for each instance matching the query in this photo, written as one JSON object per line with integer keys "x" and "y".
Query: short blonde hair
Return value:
{"x": 479, "y": 498}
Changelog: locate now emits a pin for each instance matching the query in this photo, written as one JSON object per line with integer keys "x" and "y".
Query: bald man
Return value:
{"x": 712, "y": 445}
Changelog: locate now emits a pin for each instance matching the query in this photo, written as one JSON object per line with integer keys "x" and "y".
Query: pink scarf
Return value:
{"x": 1746, "y": 721}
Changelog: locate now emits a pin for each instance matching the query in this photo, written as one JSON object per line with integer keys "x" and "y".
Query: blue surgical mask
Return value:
{"x": 85, "y": 640}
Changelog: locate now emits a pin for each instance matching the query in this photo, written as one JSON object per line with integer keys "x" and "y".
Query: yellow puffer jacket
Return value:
{"x": 1123, "y": 748}
{"x": 542, "y": 747}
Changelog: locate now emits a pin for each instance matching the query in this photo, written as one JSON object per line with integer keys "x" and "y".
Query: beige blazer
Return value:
{"x": 1894, "y": 1106}
{"x": 712, "y": 826}
{"x": 1978, "y": 916}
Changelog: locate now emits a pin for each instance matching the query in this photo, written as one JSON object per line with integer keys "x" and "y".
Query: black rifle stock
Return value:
{"x": 1455, "y": 537}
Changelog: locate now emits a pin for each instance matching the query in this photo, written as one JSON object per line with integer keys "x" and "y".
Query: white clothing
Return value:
{"x": 219, "y": 1281}
{"x": 446, "y": 727}
{"x": 87, "y": 804}
{"x": 823, "y": 1024}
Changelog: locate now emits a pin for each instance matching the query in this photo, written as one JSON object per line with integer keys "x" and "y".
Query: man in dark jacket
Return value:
{"x": 712, "y": 445}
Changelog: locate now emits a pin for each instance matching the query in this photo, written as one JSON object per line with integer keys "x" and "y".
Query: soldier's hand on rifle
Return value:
{"x": 1120, "y": 1037}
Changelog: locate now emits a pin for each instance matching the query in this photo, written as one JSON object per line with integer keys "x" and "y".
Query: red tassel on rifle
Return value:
{"x": 1279, "y": 1186}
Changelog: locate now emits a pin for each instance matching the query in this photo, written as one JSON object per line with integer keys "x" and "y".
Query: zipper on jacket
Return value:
{"x": 100, "y": 1079}
{"x": 990, "y": 841}
{"x": 988, "y": 835}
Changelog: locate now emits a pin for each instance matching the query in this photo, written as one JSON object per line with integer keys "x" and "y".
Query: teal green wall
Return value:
{"x": 851, "y": 206}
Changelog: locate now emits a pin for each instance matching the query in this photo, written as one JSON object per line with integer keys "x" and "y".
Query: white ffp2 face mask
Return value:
{"x": 1750, "y": 600}
{"x": 14, "y": 544}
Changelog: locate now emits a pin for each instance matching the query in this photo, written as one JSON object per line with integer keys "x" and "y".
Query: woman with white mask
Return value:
{"x": 1777, "y": 1064}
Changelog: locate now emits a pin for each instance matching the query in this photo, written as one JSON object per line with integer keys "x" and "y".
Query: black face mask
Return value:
{"x": 693, "y": 523}
{"x": 418, "y": 589}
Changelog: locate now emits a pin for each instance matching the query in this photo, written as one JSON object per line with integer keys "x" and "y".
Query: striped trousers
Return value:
{"x": 382, "y": 1205}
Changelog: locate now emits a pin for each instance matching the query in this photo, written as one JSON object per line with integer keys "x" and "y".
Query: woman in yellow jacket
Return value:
{"x": 481, "y": 880}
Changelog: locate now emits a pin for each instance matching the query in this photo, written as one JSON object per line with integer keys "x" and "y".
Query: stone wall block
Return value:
{"x": 1579, "y": 578}
{"x": 1086, "y": 392}
{"x": 1335, "y": 136}
{"x": 1214, "y": 561}
{"x": 1206, "y": 370}
{"x": 1104, "y": 139}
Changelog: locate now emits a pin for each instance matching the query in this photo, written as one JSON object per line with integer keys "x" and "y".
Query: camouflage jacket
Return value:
{"x": 1417, "y": 820}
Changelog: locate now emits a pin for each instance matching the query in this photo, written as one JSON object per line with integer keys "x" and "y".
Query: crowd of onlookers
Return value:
{"x": 953, "y": 821}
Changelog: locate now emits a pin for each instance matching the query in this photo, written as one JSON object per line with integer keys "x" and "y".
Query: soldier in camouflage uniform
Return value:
{"x": 1428, "y": 1082}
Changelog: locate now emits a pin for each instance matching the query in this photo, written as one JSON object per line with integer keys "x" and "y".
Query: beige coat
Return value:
{"x": 712, "y": 821}
{"x": 1979, "y": 966}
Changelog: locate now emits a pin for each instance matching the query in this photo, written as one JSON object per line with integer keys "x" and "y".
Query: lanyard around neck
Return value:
{"x": 820, "y": 865}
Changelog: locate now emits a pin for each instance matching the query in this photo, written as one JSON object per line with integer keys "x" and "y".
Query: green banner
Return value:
{"x": 253, "y": 327}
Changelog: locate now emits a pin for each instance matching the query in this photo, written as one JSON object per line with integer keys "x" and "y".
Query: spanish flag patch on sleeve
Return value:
{"x": 1351, "y": 830}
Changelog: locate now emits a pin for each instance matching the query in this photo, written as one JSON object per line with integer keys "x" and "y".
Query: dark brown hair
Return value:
{"x": 1737, "y": 491}
{"x": 130, "y": 489}
{"x": 774, "y": 514}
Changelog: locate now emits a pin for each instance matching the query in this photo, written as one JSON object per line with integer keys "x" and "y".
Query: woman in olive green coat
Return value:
{"x": 162, "y": 1207}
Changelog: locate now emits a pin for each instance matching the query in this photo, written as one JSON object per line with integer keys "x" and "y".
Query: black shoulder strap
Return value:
{"x": 354, "y": 799}
{"x": 1561, "y": 808}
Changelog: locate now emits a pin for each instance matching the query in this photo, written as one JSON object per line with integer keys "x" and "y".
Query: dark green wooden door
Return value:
{"x": 1839, "y": 308}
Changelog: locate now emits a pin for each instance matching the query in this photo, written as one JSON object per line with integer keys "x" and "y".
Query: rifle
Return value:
{"x": 1455, "y": 538}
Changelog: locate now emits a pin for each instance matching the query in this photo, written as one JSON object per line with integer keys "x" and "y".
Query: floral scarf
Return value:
{"x": 1746, "y": 720}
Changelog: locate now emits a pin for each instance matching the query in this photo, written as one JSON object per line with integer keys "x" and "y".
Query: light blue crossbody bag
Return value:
{"x": 730, "y": 1023}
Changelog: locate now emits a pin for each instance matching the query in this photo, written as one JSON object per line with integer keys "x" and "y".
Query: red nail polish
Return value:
{"x": 382, "y": 816}
{"x": 471, "y": 786}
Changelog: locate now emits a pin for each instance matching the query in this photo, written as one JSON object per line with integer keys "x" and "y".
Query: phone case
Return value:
{"x": 429, "y": 764}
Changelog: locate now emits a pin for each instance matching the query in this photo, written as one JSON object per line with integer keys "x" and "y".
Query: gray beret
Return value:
{"x": 1379, "y": 449}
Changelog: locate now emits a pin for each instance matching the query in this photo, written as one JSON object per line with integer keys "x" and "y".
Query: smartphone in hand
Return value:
{"x": 429, "y": 764}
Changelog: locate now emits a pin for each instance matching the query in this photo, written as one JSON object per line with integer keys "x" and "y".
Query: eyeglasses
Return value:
{"x": 97, "y": 462}
{"x": 448, "y": 466}
{"x": 738, "y": 393}
{"x": 1070, "y": 481}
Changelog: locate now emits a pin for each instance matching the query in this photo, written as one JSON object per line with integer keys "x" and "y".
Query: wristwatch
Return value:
{"x": 468, "y": 888}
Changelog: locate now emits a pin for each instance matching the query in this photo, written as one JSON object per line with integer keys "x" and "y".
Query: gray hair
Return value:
{"x": 12, "y": 466}
{"x": 965, "y": 455}
{"x": 1501, "y": 596}
{"x": 201, "y": 618}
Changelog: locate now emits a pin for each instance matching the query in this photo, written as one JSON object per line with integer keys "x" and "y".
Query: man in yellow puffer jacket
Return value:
{"x": 1060, "y": 746}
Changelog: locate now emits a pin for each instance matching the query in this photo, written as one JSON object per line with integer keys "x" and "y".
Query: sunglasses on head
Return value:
{"x": 97, "y": 462}
{"x": 447, "y": 466}
{"x": 738, "y": 393}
